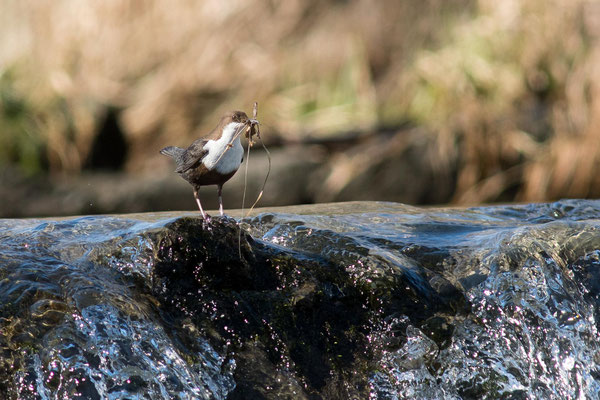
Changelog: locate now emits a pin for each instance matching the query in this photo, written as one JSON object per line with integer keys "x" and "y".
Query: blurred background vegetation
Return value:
{"x": 425, "y": 102}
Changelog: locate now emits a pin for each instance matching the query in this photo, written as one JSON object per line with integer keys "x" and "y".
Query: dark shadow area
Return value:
{"x": 110, "y": 148}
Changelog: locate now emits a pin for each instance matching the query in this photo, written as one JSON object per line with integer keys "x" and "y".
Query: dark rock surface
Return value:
{"x": 280, "y": 312}
{"x": 332, "y": 301}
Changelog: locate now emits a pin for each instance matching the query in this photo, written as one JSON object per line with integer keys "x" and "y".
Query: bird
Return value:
{"x": 215, "y": 158}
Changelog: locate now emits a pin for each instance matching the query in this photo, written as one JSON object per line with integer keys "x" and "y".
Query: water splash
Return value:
{"x": 366, "y": 300}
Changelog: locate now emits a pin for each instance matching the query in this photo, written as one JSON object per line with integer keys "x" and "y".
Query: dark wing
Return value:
{"x": 192, "y": 156}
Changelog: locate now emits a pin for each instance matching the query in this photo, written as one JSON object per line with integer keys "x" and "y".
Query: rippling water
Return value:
{"x": 353, "y": 300}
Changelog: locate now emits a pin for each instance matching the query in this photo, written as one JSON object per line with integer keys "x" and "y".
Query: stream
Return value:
{"x": 360, "y": 300}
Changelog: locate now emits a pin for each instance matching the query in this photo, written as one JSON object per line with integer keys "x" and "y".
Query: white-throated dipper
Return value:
{"x": 214, "y": 159}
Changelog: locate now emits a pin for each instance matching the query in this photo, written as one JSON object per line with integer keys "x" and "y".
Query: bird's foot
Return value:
{"x": 207, "y": 217}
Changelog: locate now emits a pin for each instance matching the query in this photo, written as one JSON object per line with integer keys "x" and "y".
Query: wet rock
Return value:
{"x": 292, "y": 311}
{"x": 354, "y": 300}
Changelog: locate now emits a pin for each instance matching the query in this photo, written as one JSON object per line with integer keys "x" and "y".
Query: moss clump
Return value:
{"x": 21, "y": 142}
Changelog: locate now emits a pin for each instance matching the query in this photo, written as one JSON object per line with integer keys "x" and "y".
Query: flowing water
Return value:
{"x": 356, "y": 300}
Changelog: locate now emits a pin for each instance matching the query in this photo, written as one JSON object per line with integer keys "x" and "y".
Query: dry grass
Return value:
{"x": 172, "y": 68}
{"x": 513, "y": 95}
{"x": 508, "y": 91}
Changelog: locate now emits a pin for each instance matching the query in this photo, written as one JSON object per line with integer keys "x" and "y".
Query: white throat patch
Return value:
{"x": 231, "y": 160}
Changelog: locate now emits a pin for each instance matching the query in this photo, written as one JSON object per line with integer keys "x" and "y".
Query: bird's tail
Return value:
{"x": 173, "y": 152}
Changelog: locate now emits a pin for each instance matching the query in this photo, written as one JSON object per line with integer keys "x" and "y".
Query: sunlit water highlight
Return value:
{"x": 491, "y": 302}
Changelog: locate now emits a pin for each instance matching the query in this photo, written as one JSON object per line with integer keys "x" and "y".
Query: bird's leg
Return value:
{"x": 199, "y": 204}
{"x": 220, "y": 200}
